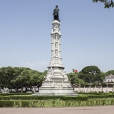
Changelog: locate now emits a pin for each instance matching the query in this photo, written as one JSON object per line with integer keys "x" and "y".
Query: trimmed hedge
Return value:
{"x": 94, "y": 93}
{"x": 6, "y": 103}
{"x": 98, "y": 95}
{"x": 82, "y": 98}
{"x": 101, "y": 96}
{"x": 55, "y": 103}
{"x": 7, "y": 94}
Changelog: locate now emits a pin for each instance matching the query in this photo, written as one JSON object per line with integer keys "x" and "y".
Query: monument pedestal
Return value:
{"x": 56, "y": 81}
{"x": 55, "y": 91}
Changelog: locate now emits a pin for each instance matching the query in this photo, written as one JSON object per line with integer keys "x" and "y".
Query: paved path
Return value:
{"x": 69, "y": 110}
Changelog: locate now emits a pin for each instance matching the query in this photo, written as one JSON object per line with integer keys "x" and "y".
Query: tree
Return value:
{"x": 73, "y": 78}
{"x": 28, "y": 78}
{"x": 19, "y": 77}
{"x": 90, "y": 74}
{"x": 107, "y": 3}
{"x": 36, "y": 78}
{"x": 6, "y": 75}
{"x": 75, "y": 81}
{"x": 22, "y": 79}
{"x": 110, "y": 72}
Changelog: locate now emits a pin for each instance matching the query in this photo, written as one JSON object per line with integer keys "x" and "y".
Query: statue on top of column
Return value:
{"x": 56, "y": 13}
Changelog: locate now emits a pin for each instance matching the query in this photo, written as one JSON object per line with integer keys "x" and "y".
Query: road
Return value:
{"x": 65, "y": 110}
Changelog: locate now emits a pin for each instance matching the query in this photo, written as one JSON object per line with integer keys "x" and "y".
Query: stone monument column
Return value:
{"x": 55, "y": 45}
{"x": 56, "y": 81}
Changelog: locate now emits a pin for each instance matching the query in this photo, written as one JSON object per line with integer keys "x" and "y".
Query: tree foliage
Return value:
{"x": 91, "y": 74}
{"x": 107, "y": 3}
{"x": 110, "y": 72}
{"x": 19, "y": 77}
{"x": 73, "y": 77}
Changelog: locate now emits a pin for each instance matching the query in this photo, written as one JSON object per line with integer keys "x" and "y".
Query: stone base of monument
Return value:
{"x": 56, "y": 83}
{"x": 56, "y": 91}
{"x": 56, "y": 87}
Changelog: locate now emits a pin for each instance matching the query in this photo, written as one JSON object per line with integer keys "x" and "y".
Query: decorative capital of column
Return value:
{"x": 55, "y": 22}
{"x": 55, "y": 27}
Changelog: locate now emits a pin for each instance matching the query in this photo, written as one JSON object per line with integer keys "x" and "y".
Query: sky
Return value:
{"x": 87, "y": 30}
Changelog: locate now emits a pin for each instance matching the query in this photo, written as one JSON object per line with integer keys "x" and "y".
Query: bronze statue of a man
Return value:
{"x": 56, "y": 13}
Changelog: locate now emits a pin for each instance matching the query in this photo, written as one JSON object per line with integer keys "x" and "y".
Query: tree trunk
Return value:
{"x": 21, "y": 89}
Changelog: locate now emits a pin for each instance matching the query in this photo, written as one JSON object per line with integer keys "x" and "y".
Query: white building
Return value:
{"x": 109, "y": 78}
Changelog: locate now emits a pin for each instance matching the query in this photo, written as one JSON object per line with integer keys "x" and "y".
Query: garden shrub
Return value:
{"x": 17, "y": 103}
{"x": 101, "y": 96}
{"x": 34, "y": 104}
{"x": 1, "y": 103}
{"x": 112, "y": 102}
{"x": 103, "y": 102}
{"x": 53, "y": 104}
{"x": 7, "y": 94}
{"x": 25, "y": 103}
{"x": 6, "y": 103}
{"x": 83, "y": 98}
